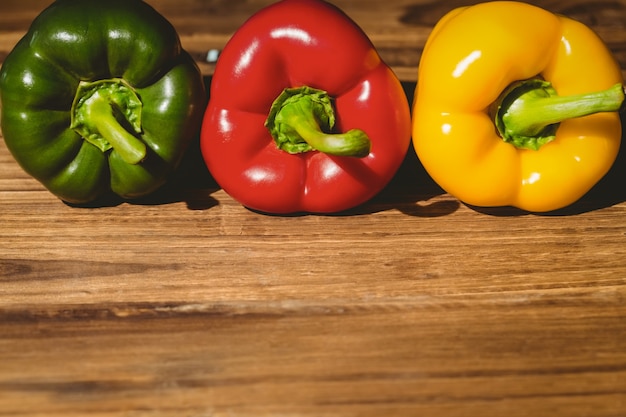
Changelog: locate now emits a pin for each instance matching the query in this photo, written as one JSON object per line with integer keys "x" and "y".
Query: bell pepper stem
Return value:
{"x": 528, "y": 113}
{"x": 106, "y": 113}
{"x": 302, "y": 119}
{"x": 131, "y": 149}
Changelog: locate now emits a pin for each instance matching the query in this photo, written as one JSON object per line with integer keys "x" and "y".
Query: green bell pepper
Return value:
{"x": 99, "y": 96}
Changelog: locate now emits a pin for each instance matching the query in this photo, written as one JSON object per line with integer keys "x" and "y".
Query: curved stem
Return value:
{"x": 301, "y": 120}
{"x": 101, "y": 114}
{"x": 107, "y": 114}
{"x": 529, "y": 112}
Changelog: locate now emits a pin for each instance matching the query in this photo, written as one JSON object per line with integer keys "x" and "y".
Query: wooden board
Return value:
{"x": 186, "y": 304}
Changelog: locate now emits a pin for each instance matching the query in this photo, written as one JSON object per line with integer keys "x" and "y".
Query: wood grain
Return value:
{"x": 398, "y": 28}
{"x": 186, "y": 304}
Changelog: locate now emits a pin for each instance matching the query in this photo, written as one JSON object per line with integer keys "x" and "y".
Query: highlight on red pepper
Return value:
{"x": 303, "y": 116}
{"x": 100, "y": 97}
{"x": 505, "y": 115}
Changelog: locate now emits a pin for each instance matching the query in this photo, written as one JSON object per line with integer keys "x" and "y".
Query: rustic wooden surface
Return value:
{"x": 186, "y": 304}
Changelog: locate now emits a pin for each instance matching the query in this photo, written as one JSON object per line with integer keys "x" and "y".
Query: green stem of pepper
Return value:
{"x": 529, "y": 112}
{"x": 301, "y": 120}
{"x": 107, "y": 113}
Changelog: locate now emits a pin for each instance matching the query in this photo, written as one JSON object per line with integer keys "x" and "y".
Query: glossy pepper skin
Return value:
{"x": 471, "y": 57}
{"x": 99, "y": 97}
{"x": 309, "y": 50}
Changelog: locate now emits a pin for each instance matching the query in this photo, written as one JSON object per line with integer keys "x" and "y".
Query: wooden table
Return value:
{"x": 186, "y": 304}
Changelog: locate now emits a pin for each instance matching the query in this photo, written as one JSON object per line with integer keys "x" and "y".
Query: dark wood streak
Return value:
{"x": 47, "y": 270}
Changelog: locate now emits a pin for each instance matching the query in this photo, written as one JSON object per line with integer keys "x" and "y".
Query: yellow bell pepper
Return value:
{"x": 488, "y": 125}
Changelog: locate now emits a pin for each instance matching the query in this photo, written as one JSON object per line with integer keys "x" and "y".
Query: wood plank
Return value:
{"x": 455, "y": 359}
{"x": 398, "y": 29}
{"x": 187, "y": 304}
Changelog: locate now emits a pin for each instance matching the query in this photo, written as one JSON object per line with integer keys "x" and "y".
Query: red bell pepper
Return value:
{"x": 303, "y": 116}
